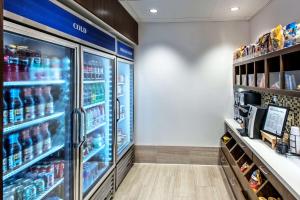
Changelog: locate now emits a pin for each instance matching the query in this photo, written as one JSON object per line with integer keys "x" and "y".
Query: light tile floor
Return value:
{"x": 173, "y": 182}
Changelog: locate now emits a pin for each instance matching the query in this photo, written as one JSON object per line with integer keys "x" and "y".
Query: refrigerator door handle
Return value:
{"x": 84, "y": 126}
{"x": 118, "y": 109}
{"x": 77, "y": 126}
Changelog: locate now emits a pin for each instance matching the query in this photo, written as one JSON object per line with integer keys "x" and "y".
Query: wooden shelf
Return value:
{"x": 293, "y": 93}
{"x": 269, "y": 55}
{"x": 236, "y": 157}
{"x": 269, "y": 72}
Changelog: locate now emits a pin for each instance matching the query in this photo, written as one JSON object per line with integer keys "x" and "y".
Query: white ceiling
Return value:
{"x": 192, "y": 10}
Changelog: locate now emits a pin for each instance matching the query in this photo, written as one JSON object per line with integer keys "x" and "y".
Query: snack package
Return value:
{"x": 255, "y": 180}
{"x": 244, "y": 167}
{"x": 298, "y": 33}
{"x": 226, "y": 139}
{"x": 264, "y": 43}
{"x": 277, "y": 38}
{"x": 290, "y": 34}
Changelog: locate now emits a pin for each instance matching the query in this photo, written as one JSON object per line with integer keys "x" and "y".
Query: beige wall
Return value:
{"x": 183, "y": 81}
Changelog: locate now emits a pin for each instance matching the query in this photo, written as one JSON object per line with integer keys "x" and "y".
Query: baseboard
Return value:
{"x": 176, "y": 155}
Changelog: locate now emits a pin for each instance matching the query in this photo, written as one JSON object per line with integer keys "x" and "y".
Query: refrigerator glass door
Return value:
{"x": 38, "y": 102}
{"x": 97, "y": 100}
{"x": 124, "y": 106}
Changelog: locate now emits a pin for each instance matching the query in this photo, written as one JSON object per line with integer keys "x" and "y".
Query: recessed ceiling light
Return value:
{"x": 153, "y": 10}
{"x": 233, "y": 9}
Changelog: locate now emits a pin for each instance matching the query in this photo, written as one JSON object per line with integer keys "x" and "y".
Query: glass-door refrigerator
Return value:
{"x": 124, "y": 106}
{"x": 97, "y": 159}
{"x": 38, "y": 91}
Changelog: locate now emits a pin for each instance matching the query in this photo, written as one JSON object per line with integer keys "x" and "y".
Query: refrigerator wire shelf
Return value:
{"x": 94, "y": 105}
{"x": 57, "y": 183}
{"x": 26, "y": 124}
{"x": 121, "y": 119}
{"x": 34, "y": 83}
{"x": 93, "y": 81}
{"x": 95, "y": 128}
{"x": 93, "y": 153}
{"x": 100, "y": 174}
{"x": 30, "y": 163}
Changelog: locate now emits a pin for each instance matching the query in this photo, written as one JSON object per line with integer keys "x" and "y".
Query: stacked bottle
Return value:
{"x": 95, "y": 117}
{"x": 24, "y": 146}
{"x": 93, "y": 93}
{"x": 26, "y": 104}
{"x": 93, "y": 70}
{"x": 34, "y": 182}
{"x": 23, "y": 64}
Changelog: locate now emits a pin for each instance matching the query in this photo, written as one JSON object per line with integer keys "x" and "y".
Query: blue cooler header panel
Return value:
{"x": 124, "y": 50}
{"x": 49, "y": 14}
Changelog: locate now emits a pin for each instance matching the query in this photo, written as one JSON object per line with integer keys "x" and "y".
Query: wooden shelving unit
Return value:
{"x": 237, "y": 157}
{"x": 269, "y": 72}
{"x": 233, "y": 154}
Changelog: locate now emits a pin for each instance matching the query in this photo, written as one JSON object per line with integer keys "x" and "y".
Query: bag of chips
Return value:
{"x": 290, "y": 34}
{"x": 277, "y": 38}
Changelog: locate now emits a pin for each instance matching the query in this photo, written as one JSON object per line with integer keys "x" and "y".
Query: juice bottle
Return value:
{"x": 4, "y": 160}
{"x": 15, "y": 151}
{"x": 47, "y": 142}
{"x": 66, "y": 66}
{"x": 35, "y": 66}
{"x": 102, "y": 91}
{"x": 6, "y": 67}
{"x": 85, "y": 71}
{"x": 37, "y": 140}
{"x": 89, "y": 93}
{"x": 46, "y": 63}
{"x": 39, "y": 102}
{"x": 29, "y": 107}
{"x": 13, "y": 62}
{"x": 49, "y": 107}
{"x": 55, "y": 68}
{"x": 23, "y": 54}
{"x": 94, "y": 93}
{"x": 16, "y": 111}
{"x": 5, "y": 112}
{"x": 27, "y": 145}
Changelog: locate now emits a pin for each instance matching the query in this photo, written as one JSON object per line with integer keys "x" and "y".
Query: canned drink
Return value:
{"x": 50, "y": 168}
{"x": 40, "y": 186}
{"x": 50, "y": 176}
{"x": 27, "y": 182}
{"x": 7, "y": 195}
{"x": 19, "y": 192}
{"x": 19, "y": 181}
{"x": 58, "y": 169}
{"x": 27, "y": 192}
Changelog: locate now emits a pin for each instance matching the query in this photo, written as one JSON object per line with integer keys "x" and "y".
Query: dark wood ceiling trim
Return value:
{"x": 115, "y": 15}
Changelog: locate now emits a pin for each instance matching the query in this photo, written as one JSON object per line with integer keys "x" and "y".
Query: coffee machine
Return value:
{"x": 255, "y": 121}
{"x": 242, "y": 102}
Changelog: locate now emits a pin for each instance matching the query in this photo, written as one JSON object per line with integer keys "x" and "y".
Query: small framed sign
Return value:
{"x": 275, "y": 120}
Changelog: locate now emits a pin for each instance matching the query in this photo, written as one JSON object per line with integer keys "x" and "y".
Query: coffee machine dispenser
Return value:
{"x": 255, "y": 121}
{"x": 243, "y": 100}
